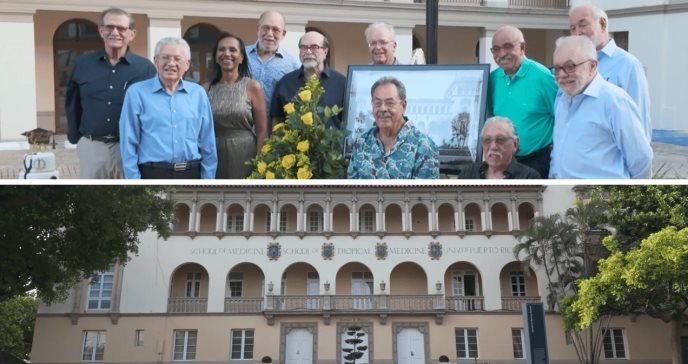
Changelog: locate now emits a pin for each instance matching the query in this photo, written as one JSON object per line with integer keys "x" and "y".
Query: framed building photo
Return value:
{"x": 446, "y": 102}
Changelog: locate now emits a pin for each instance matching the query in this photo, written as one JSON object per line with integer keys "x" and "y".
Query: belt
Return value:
{"x": 177, "y": 167}
{"x": 104, "y": 139}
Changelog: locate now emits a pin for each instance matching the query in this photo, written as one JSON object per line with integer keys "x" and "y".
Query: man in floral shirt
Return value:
{"x": 392, "y": 148}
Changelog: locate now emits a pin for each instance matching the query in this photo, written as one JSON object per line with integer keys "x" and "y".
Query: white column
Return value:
{"x": 216, "y": 290}
{"x": 491, "y": 290}
{"x": 484, "y": 53}
{"x": 18, "y": 73}
{"x": 496, "y": 3}
{"x": 161, "y": 27}
{"x": 404, "y": 38}
{"x": 295, "y": 30}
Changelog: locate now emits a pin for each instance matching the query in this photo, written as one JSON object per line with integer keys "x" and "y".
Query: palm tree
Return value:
{"x": 559, "y": 245}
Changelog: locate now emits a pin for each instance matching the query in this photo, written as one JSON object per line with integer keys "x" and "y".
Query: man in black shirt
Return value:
{"x": 500, "y": 144}
{"x": 313, "y": 48}
{"x": 95, "y": 93}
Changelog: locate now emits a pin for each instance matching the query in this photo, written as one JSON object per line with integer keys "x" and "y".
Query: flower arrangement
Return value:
{"x": 301, "y": 147}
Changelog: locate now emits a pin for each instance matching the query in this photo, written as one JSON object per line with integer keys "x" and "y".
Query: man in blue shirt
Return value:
{"x": 615, "y": 64}
{"x": 597, "y": 129}
{"x": 267, "y": 60}
{"x": 313, "y": 48}
{"x": 95, "y": 92}
{"x": 166, "y": 127}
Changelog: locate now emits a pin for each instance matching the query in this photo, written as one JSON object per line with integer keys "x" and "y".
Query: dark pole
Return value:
{"x": 431, "y": 24}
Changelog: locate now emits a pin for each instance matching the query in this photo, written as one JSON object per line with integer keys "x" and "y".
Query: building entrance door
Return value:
{"x": 410, "y": 347}
{"x": 299, "y": 348}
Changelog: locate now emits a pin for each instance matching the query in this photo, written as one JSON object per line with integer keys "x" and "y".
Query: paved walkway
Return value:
{"x": 670, "y": 161}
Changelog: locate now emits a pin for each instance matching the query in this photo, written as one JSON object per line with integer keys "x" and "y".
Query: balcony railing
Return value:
{"x": 515, "y": 303}
{"x": 244, "y": 304}
{"x": 353, "y": 303}
{"x": 187, "y": 305}
{"x": 545, "y": 4}
{"x": 465, "y": 303}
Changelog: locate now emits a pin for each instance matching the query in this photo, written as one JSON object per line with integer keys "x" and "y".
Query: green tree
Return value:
{"x": 560, "y": 246}
{"x": 651, "y": 279}
{"x": 54, "y": 236}
{"x": 356, "y": 351}
{"x": 17, "y": 317}
{"x": 638, "y": 211}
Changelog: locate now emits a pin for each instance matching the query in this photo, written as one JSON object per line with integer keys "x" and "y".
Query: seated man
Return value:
{"x": 500, "y": 144}
{"x": 392, "y": 148}
{"x": 166, "y": 127}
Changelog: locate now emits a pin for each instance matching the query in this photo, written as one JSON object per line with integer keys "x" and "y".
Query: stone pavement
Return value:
{"x": 670, "y": 160}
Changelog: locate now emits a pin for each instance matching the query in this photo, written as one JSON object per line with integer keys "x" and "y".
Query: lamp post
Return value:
{"x": 431, "y": 25}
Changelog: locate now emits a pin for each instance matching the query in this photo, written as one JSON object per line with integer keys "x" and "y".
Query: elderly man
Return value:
{"x": 597, "y": 131}
{"x": 392, "y": 148}
{"x": 313, "y": 48}
{"x": 615, "y": 64}
{"x": 95, "y": 92}
{"x": 382, "y": 45}
{"x": 524, "y": 91}
{"x": 267, "y": 60}
{"x": 167, "y": 125}
{"x": 500, "y": 144}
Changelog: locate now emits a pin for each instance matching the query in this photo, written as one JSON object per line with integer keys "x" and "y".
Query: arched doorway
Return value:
{"x": 201, "y": 38}
{"x": 72, "y": 39}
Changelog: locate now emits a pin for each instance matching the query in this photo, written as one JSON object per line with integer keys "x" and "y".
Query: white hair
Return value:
{"x": 502, "y": 121}
{"x": 380, "y": 25}
{"x": 173, "y": 41}
{"x": 597, "y": 12}
{"x": 583, "y": 43}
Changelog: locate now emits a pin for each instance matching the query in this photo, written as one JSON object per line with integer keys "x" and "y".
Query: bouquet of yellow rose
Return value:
{"x": 302, "y": 147}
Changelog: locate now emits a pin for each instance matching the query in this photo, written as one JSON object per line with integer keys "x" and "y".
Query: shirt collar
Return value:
{"x": 157, "y": 86}
{"x": 593, "y": 89}
{"x": 608, "y": 50}
{"x": 522, "y": 69}
{"x": 253, "y": 48}
{"x": 324, "y": 74}
{"x": 508, "y": 172}
{"x": 128, "y": 57}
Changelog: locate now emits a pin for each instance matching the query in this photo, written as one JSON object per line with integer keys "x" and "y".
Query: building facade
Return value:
{"x": 47, "y": 36}
{"x": 285, "y": 272}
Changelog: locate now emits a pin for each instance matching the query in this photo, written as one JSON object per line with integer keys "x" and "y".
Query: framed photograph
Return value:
{"x": 446, "y": 102}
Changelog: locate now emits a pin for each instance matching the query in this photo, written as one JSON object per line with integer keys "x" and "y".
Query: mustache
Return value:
{"x": 382, "y": 114}
{"x": 504, "y": 58}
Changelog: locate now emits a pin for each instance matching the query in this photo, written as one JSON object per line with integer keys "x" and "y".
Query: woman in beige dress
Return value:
{"x": 238, "y": 107}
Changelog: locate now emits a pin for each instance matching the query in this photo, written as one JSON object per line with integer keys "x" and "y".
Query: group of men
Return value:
{"x": 163, "y": 127}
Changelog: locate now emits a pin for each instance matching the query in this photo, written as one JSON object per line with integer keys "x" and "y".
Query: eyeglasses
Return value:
{"x": 381, "y": 43}
{"x": 507, "y": 47}
{"x": 388, "y": 103}
{"x": 313, "y": 47}
{"x": 568, "y": 67}
{"x": 269, "y": 29}
{"x": 169, "y": 58}
{"x": 111, "y": 28}
{"x": 500, "y": 140}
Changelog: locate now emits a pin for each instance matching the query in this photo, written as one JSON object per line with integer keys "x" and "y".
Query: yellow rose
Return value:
{"x": 304, "y": 173}
{"x": 261, "y": 167}
{"x": 277, "y": 127}
{"x": 302, "y": 146}
{"x": 288, "y": 161}
{"x": 305, "y": 96}
{"x": 265, "y": 149}
{"x": 269, "y": 175}
{"x": 289, "y": 108}
{"x": 307, "y": 118}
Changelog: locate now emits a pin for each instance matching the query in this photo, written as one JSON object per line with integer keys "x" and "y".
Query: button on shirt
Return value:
{"x": 332, "y": 81}
{"x": 95, "y": 92}
{"x": 157, "y": 126}
{"x": 624, "y": 70}
{"x": 270, "y": 71}
{"x": 414, "y": 155}
{"x": 528, "y": 100}
{"x": 598, "y": 135}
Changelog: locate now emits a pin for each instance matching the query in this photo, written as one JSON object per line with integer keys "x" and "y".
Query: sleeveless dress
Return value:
{"x": 234, "y": 135}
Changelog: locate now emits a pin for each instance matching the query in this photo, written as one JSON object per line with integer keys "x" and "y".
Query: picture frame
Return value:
{"x": 447, "y": 102}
